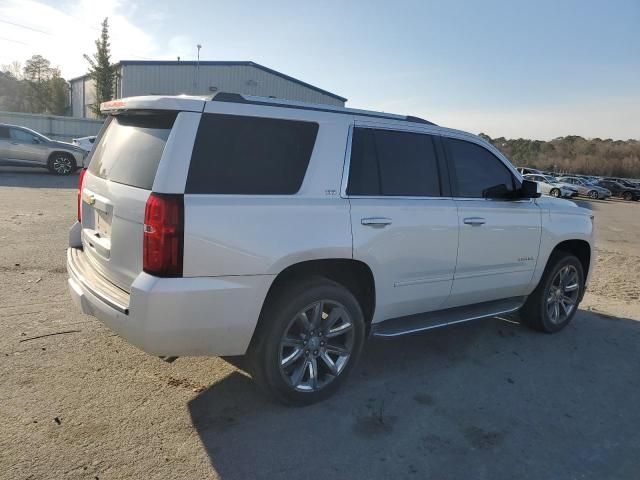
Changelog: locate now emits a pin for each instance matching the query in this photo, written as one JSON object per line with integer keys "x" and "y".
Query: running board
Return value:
{"x": 441, "y": 318}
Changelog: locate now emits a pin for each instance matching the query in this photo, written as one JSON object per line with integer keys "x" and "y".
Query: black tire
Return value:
{"x": 554, "y": 192}
{"x": 61, "y": 163}
{"x": 535, "y": 312}
{"x": 628, "y": 196}
{"x": 279, "y": 318}
{"x": 593, "y": 194}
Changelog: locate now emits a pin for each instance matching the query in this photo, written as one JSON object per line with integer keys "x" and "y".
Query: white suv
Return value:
{"x": 289, "y": 232}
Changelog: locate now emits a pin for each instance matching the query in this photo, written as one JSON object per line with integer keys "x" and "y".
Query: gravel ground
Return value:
{"x": 489, "y": 400}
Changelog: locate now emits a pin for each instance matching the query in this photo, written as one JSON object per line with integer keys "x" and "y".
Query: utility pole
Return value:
{"x": 196, "y": 80}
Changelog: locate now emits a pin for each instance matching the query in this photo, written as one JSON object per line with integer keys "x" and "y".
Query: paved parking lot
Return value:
{"x": 489, "y": 400}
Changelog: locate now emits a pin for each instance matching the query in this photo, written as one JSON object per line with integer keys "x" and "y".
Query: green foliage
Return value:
{"x": 36, "y": 88}
{"x": 101, "y": 71}
{"x": 574, "y": 154}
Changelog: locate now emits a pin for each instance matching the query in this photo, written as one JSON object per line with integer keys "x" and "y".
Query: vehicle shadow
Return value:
{"x": 488, "y": 400}
{"x": 35, "y": 178}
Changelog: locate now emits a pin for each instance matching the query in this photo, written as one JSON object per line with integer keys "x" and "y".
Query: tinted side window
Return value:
{"x": 476, "y": 169}
{"x": 393, "y": 163}
{"x": 21, "y": 135}
{"x": 4, "y": 132}
{"x": 250, "y": 155}
{"x": 364, "y": 175}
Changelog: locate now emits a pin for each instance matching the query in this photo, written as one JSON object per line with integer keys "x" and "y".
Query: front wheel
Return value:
{"x": 593, "y": 195}
{"x": 61, "y": 164}
{"x": 309, "y": 338}
{"x": 555, "y": 300}
{"x": 628, "y": 196}
{"x": 555, "y": 192}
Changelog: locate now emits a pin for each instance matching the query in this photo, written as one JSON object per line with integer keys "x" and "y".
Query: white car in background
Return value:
{"x": 550, "y": 186}
{"x": 85, "y": 143}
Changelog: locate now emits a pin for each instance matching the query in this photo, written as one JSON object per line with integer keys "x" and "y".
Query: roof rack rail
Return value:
{"x": 276, "y": 102}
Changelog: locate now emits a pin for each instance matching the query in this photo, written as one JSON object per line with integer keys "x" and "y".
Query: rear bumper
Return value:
{"x": 173, "y": 316}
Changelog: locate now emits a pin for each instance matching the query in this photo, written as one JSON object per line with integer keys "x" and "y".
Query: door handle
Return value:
{"x": 475, "y": 221}
{"x": 15, "y": 143}
{"x": 378, "y": 222}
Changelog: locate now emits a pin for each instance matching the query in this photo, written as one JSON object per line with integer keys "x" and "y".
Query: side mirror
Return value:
{"x": 529, "y": 189}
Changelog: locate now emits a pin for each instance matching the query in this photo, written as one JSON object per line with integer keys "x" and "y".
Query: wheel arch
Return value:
{"x": 56, "y": 152}
{"x": 354, "y": 275}
{"x": 580, "y": 248}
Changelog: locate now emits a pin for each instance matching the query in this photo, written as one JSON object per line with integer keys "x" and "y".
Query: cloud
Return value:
{"x": 63, "y": 36}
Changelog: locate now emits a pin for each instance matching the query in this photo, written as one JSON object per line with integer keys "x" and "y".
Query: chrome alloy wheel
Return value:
{"x": 61, "y": 164}
{"x": 316, "y": 345}
{"x": 562, "y": 295}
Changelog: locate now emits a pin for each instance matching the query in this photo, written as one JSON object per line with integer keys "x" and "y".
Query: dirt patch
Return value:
{"x": 616, "y": 275}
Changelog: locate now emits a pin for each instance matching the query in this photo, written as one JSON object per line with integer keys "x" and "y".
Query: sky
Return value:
{"x": 531, "y": 69}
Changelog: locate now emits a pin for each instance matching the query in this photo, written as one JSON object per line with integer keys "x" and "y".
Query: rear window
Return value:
{"x": 129, "y": 149}
{"x": 236, "y": 154}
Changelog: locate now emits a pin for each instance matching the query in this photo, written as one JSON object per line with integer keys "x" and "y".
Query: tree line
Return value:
{"x": 38, "y": 87}
{"x": 574, "y": 154}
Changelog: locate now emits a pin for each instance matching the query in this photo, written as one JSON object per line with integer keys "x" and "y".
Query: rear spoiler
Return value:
{"x": 183, "y": 103}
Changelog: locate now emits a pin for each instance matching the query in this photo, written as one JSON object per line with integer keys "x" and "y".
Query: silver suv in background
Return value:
{"x": 23, "y": 147}
{"x": 584, "y": 188}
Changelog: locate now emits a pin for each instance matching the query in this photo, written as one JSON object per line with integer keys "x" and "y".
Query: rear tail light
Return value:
{"x": 80, "y": 180}
{"x": 163, "y": 236}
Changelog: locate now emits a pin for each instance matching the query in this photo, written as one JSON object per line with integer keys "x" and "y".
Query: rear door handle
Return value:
{"x": 378, "y": 222}
{"x": 475, "y": 221}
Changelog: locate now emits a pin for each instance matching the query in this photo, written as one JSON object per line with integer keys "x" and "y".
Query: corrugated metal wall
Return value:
{"x": 83, "y": 94}
{"x": 58, "y": 128}
{"x": 177, "y": 79}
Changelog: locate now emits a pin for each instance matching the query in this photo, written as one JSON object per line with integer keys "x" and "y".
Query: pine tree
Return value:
{"x": 101, "y": 71}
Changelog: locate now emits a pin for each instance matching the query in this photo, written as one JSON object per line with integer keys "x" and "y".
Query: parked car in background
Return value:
{"x": 619, "y": 190}
{"x": 85, "y": 143}
{"x": 550, "y": 186}
{"x": 527, "y": 171}
{"x": 585, "y": 189}
{"x": 23, "y": 147}
{"x": 184, "y": 242}
{"x": 624, "y": 182}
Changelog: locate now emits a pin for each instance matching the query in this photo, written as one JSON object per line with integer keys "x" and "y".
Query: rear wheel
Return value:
{"x": 309, "y": 338}
{"x": 627, "y": 196}
{"x": 593, "y": 194}
{"x": 555, "y": 300}
{"x": 555, "y": 192}
{"x": 61, "y": 164}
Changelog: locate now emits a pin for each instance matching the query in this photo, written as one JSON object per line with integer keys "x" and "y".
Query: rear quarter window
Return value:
{"x": 129, "y": 148}
{"x": 236, "y": 154}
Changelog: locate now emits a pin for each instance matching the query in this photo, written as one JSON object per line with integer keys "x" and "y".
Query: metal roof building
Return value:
{"x": 152, "y": 77}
